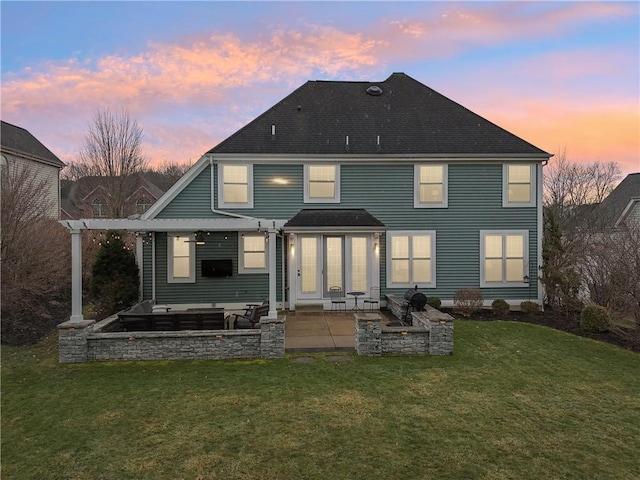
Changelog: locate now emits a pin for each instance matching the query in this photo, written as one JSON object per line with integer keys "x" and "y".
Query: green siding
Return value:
{"x": 386, "y": 191}
{"x": 245, "y": 288}
{"x": 147, "y": 270}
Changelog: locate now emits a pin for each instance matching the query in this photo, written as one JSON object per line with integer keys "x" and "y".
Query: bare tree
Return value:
{"x": 112, "y": 152}
{"x": 569, "y": 186}
{"x": 35, "y": 256}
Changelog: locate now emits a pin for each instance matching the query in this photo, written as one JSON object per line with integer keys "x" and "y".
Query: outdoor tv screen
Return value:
{"x": 217, "y": 268}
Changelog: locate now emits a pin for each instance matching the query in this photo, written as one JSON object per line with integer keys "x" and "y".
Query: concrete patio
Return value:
{"x": 314, "y": 330}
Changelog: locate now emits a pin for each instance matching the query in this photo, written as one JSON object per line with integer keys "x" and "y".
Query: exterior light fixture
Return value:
{"x": 199, "y": 238}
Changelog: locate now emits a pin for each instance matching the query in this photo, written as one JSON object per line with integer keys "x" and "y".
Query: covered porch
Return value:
{"x": 149, "y": 262}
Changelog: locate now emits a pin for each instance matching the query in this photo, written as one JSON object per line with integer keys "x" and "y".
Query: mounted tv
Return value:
{"x": 217, "y": 268}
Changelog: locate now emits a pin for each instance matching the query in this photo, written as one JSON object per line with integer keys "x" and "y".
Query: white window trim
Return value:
{"x": 411, "y": 233}
{"x": 308, "y": 199}
{"x": 504, "y": 283}
{"x": 241, "y": 268}
{"x": 505, "y": 188}
{"x": 249, "y": 202}
{"x": 416, "y": 187}
{"x": 192, "y": 258}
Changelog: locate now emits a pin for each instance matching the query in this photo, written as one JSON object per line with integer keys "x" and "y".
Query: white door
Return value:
{"x": 309, "y": 267}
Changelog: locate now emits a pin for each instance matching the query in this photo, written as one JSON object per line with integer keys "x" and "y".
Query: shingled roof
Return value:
{"x": 611, "y": 209}
{"x": 335, "y": 217}
{"x": 18, "y": 141}
{"x": 397, "y": 116}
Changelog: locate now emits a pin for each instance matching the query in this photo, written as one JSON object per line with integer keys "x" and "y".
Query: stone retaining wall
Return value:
{"x": 79, "y": 342}
{"x": 424, "y": 336}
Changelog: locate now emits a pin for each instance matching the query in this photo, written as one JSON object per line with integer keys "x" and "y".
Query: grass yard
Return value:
{"x": 515, "y": 401}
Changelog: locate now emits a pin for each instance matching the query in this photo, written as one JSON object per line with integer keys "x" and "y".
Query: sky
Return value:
{"x": 564, "y": 76}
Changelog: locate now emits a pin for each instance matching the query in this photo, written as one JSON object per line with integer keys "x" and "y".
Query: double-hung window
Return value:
{"x": 322, "y": 183}
{"x": 430, "y": 186}
{"x": 235, "y": 186}
{"x": 518, "y": 186}
{"x": 99, "y": 207}
{"x": 411, "y": 259}
{"x": 252, "y": 253}
{"x": 504, "y": 258}
{"x": 181, "y": 258}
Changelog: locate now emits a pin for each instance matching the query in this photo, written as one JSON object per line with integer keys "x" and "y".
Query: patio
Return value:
{"x": 316, "y": 330}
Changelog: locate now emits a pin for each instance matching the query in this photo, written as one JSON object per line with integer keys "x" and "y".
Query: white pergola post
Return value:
{"x": 76, "y": 276}
{"x": 273, "y": 312}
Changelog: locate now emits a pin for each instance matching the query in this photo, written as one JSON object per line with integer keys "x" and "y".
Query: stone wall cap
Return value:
{"x": 69, "y": 324}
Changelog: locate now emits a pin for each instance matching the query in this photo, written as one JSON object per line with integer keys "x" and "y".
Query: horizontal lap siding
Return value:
{"x": 147, "y": 270}
{"x": 386, "y": 191}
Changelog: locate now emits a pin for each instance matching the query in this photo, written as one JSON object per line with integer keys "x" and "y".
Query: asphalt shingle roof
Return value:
{"x": 608, "y": 212}
{"x": 20, "y": 141}
{"x": 335, "y": 217}
{"x": 407, "y": 117}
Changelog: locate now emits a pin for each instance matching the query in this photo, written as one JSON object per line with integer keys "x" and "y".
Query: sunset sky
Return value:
{"x": 558, "y": 74}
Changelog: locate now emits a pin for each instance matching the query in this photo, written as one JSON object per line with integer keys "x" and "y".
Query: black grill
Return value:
{"x": 415, "y": 301}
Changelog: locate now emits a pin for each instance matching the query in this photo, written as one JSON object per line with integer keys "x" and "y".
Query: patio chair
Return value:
{"x": 337, "y": 299}
{"x": 252, "y": 318}
{"x": 373, "y": 300}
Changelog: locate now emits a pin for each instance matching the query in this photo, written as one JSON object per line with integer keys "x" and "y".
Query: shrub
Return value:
{"x": 500, "y": 307}
{"x": 595, "y": 318}
{"x": 114, "y": 283}
{"x": 529, "y": 307}
{"x": 434, "y": 302}
{"x": 467, "y": 301}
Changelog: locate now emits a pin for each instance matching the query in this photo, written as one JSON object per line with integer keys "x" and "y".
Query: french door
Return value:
{"x": 325, "y": 261}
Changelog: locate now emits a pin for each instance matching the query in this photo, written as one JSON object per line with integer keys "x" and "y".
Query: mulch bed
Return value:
{"x": 625, "y": 338}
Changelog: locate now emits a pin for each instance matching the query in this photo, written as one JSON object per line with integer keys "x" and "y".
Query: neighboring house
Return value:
{"x": 87, "y": 197}
{"x": 351, "y": 184}
{"x": 20, "y": 151}
{"x": 621, "y": 207}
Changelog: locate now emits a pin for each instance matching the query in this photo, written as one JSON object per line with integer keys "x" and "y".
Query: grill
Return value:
{"x": 415, "y": 301}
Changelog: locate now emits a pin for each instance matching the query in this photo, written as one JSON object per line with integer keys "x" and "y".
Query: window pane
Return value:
{"x": 234, "y": 173}
{"x": 421, "y": 246}
{"x": 422, "y": 271}
{"x": 432, "y": 174}
{"x": 431, "y": 193}
{"x": 515, "y": 246}
{"x": 493, "y": 270}
{"x": 493, "y": 246}
{"x": 399, "y": 247}
{"x": 515, "y": 270}
{"x": 519, "y": 193}
{"x": 254, "y": 243}
{"x": 321, "y": 190}
{"x": 235, "y": 193}
{"x": 334, "y": 262}
{"x": 519, "y": 174}
{"x": 359, "y": 264}
{"x": 309, "y": 262}
{"x": 254, "y": 260}
{"x": 400, "y": 271}
{"x": 180, "y": 246}
{"x": 181, "y": 267}
{"x": 325, "y": 173}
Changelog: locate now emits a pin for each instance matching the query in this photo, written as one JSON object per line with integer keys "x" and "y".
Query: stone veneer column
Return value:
{"x": 72, "y": 341}
{"x": 272, "y": 337}
{"x": 440, "y": 337}
{"x": 368, "y": 338}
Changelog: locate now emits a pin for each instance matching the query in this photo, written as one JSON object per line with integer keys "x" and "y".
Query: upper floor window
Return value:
{"x": 99, "y": 207}
{"x": 411, "y": 259}
{"x": 518, "y": 186}
{"x": 430, "y": 186}
{"x": 181, "y": 258}
{"x": 142, "y": 205}
{"x": 252, "y": 253}
{"x": 504, "y": 258}
{"x": 322, "y": 183}
{"x": 235, "y": 186}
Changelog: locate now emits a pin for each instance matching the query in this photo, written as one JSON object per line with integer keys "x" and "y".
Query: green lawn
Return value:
{"x": 515, "y": 401}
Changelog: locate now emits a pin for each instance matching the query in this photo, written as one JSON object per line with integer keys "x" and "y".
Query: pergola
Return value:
{"x": 268, "y": 226}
